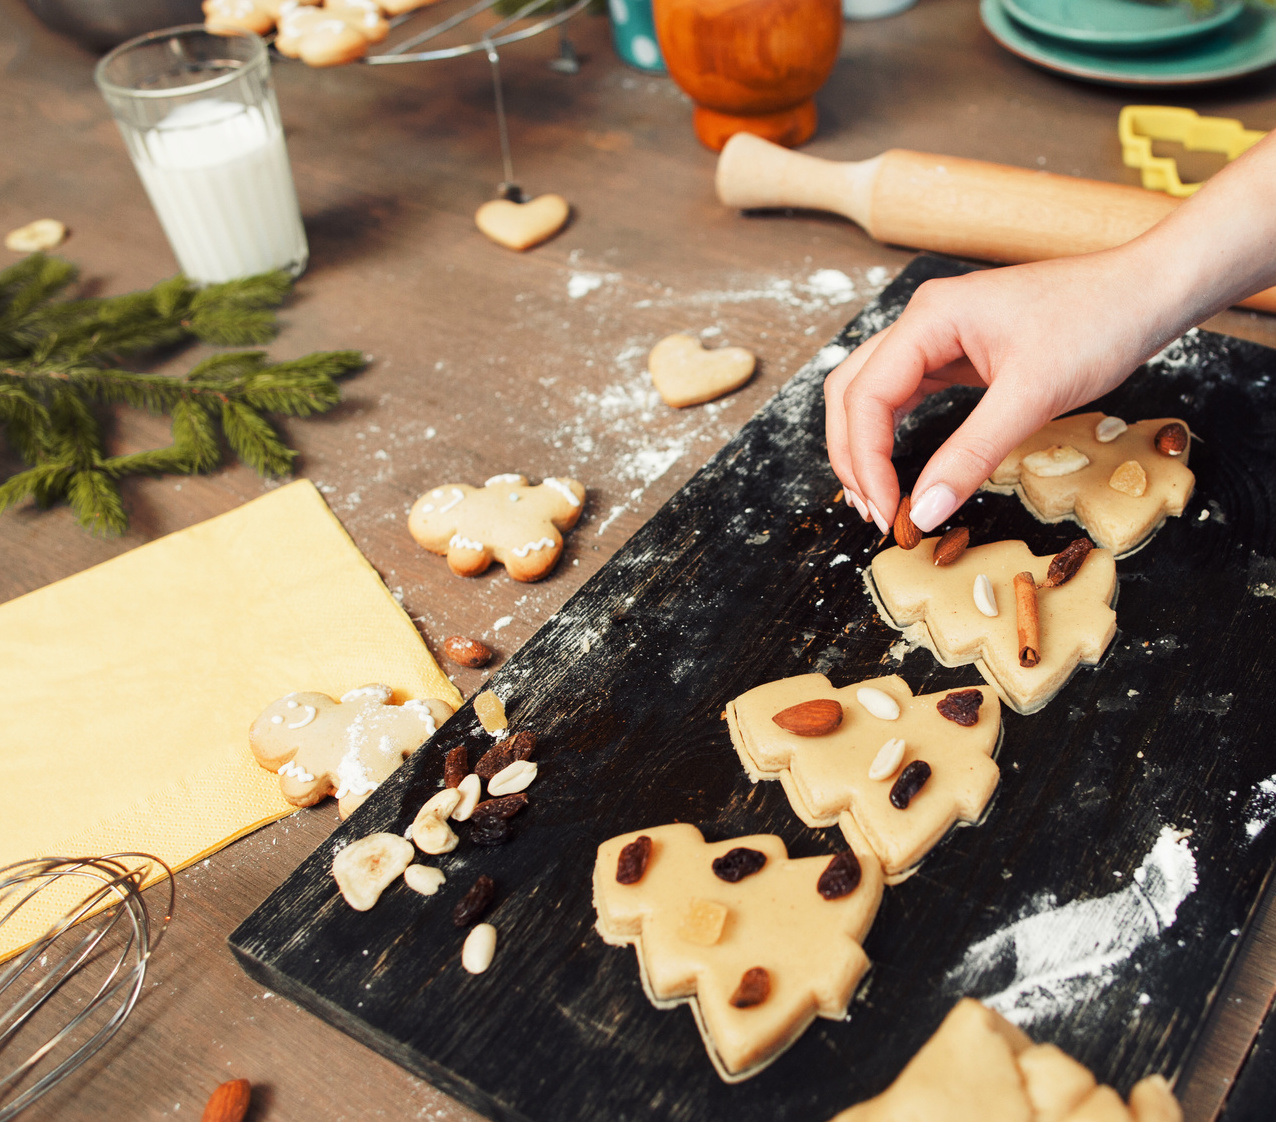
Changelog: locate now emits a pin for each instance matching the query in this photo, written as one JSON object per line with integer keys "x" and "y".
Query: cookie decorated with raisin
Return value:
{"x": 758, "y": 943}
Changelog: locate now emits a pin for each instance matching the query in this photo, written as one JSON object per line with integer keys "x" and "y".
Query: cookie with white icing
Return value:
{"x": 858, "y": 767}
{"x": 1117, "y": 480}
{"x": 964, "y": 619}
{"x": 759, "y": 945}
{"x": 346, "y": 748}
{"x": 978, "y": 1067}
{"x": 505, "y": 520}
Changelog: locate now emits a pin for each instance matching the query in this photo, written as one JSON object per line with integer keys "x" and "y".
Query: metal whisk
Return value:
{"x": 101, "y": 964}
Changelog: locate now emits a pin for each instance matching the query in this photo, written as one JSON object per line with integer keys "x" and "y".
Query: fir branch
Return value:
{"x": 59, "y": 360}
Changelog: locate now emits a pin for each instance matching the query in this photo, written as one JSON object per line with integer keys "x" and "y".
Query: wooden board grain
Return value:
{"x": 750, "y": 573}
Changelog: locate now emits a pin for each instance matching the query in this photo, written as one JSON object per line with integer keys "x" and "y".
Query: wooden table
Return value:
{"x": 484, "y": 361}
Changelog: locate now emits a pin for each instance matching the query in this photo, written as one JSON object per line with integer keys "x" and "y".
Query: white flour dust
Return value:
{"x": 1261, "y": 807}
{"x": 1061, "y": 956}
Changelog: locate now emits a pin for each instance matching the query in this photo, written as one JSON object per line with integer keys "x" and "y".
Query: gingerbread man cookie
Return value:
{"x": 968, "y": 611}
{"x": 758, "y": 943}
{"x": 237, "y": 15}
{"x": 506, "y": 520}
{"x": 1119, "y": 481}
{"x": 978, "y": 1067}
{"x": 321, "y": 747}
{"x": 903, "y": 769}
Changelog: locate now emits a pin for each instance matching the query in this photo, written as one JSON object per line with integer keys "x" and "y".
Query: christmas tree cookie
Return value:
{"x": 978, "y": 1067}
{"x": 757, "y": 943}
{"x": 871, "y": 756}
{"x": 994, "y": 606}
{"x": 1119, "y": 481}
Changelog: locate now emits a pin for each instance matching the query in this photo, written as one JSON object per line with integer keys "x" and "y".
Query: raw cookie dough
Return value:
{"x": 774, "y": 918}
{"x": 827, "y": 777}
{"x": 321, "y": 747}
{"x": 978, "y": 1067}
{"x": 506, "y": 520}
{"x": 1115, "y": 519}
{"x": 684, "y": 373}
{"x": 934, "y": 605}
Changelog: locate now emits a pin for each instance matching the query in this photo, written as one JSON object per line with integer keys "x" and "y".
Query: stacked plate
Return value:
{"x": 1136, "y": 42}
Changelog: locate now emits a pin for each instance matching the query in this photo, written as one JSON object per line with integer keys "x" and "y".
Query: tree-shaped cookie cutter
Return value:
{"x": 1140, "y": 125}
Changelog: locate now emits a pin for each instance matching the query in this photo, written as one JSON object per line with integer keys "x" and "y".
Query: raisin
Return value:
{"x": 754, "y": 988}
{"x": 475, "y": 902}
{"x": 521, "y": 745}
{"x": 1067, "y": 562}
{"x": 493, "y": 760}
{"x": 456, "y": 765}
{"x": 738, "y": 863}
{"x": 505, "y": 807}
{"x": 632, "y": 862}
{"x": 840, "y": 878}
{"x": 911, "y": 780}
{"x": 961, "y": 707}
{"x": 490, "y": 831}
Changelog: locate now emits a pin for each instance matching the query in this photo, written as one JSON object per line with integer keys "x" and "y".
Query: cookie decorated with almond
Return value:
{"x": 759, "y": 943}
{"x": 1026, "y": 622}
{"x": 903, "y": 769}
{"x": 1119, "y": 481}
{"x": 506, "y": 520}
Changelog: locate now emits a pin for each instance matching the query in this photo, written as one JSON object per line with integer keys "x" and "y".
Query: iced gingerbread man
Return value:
{"x": 346, "y": 748}
{"x": 505, "y": 520}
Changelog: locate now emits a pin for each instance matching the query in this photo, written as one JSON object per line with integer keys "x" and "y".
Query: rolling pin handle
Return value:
{"x": 754, "y": 173}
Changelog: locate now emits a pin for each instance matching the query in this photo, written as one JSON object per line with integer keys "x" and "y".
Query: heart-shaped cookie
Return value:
{"x": 522, "y": 225}
{"x": 686, "y": 374}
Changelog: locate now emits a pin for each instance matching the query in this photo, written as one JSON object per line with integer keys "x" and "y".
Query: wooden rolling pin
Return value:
{"x": 946, "y": 204}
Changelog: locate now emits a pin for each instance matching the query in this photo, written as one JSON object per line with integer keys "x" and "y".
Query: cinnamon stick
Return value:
{"x": 1027, "y": 620}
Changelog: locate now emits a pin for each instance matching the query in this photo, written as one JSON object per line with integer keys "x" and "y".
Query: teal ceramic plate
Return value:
{"x": 1135, "y": 24}
{"x": 1245, "y": 45}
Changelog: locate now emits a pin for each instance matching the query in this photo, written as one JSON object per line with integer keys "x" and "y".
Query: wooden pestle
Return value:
{"x": 946, "y": 204}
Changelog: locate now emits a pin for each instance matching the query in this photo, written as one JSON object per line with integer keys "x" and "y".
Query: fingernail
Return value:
{"x": 876, "y": 515}
{"x": 858, "y": 504}
{"x": 936, "y": 504}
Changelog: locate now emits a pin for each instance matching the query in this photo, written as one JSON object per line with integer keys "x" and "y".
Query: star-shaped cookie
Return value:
{"x": 936, "y": 607}
{"x": 1119, "y": 482}
{"x": 758, "y": 943}
{"x": 831, "y": 776}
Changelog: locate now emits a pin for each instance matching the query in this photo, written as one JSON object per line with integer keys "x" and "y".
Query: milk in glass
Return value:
{"x": 217, "y": 173}
{"x": 198, "y": 113}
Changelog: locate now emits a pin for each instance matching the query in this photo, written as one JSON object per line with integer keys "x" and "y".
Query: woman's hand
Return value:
{"x": 1044, "y": 338}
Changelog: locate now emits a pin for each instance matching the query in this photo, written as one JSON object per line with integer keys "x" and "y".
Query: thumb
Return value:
{"x": 1004, "y": 418}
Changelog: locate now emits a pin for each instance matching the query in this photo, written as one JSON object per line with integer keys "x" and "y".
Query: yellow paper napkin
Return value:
{"x": 127, "y": 690}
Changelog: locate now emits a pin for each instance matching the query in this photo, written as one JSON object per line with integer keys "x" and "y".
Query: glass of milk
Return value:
{"x": 199, "y": 117}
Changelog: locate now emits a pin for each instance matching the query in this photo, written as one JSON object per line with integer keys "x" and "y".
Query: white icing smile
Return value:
{"x": 310, "y": 716}
{"x": 457, "y": 496}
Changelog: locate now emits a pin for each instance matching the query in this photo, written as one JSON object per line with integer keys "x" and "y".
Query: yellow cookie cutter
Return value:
{"x": 1139, "y": 125}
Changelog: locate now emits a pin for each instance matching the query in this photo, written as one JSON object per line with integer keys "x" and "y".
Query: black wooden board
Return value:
{"x": 750, "y": 573}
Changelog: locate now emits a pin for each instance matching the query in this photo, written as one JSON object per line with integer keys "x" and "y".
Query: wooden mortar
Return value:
{"x": 750, "y": 65}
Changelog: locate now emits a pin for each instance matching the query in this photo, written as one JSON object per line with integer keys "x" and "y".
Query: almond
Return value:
{"x": 1171, "y": 439}
{"x": 466, "y": 651}
{"x": 1058, "y": 459}
{"x": 229, "y": 1103}
{"x": 952, "y": 545}
{"x": 907, "y": 535}
{"x": 810, "y": 718}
